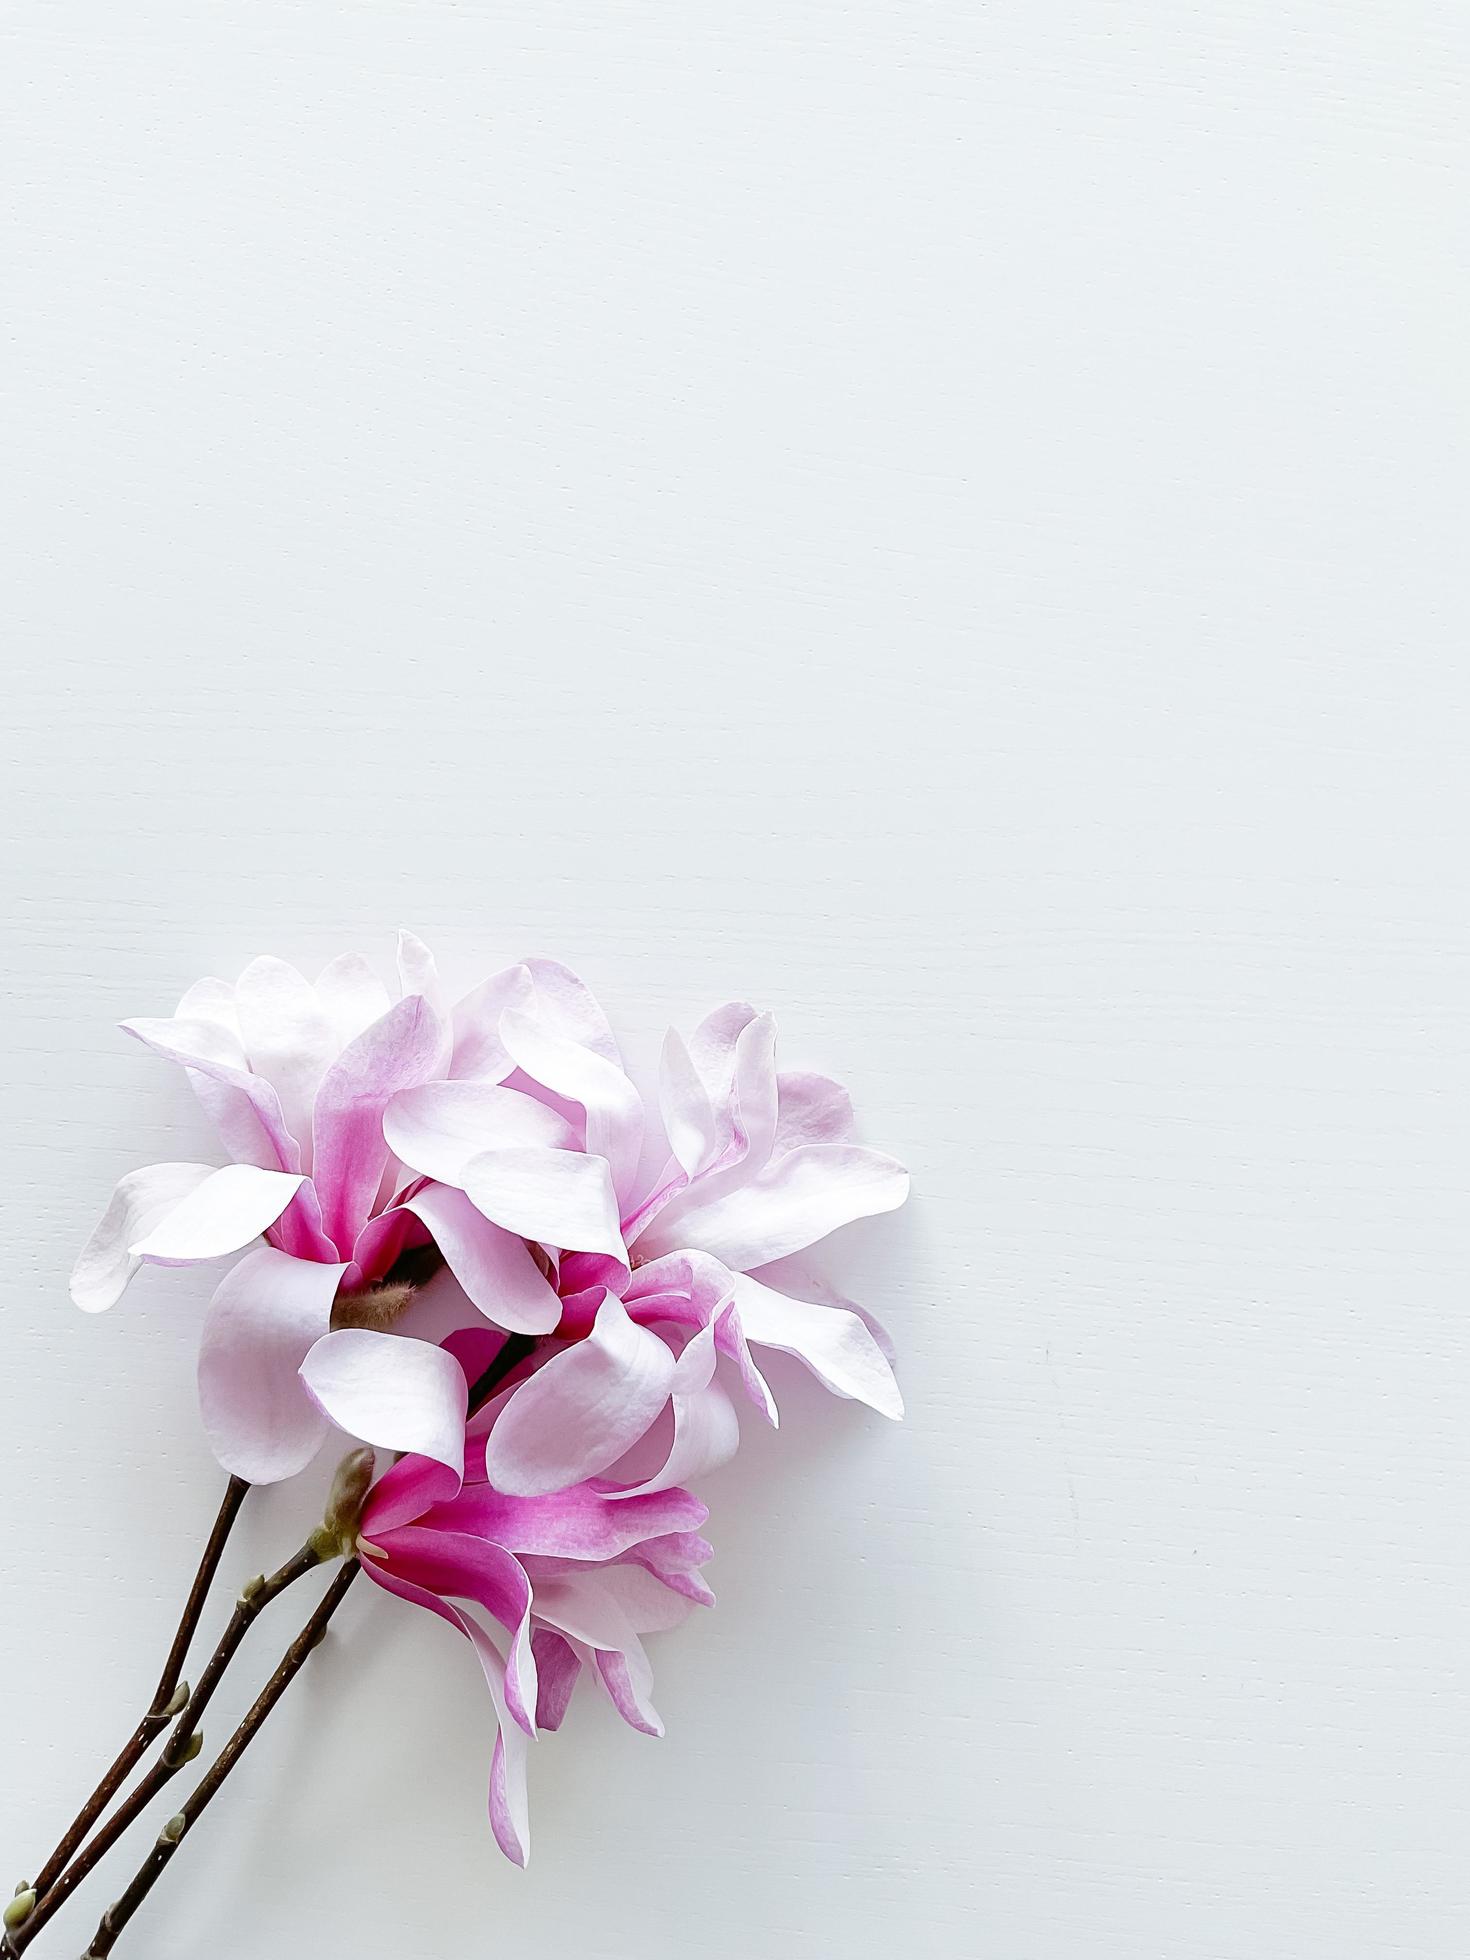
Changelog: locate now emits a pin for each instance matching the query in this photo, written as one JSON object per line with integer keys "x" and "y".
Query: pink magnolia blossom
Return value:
{"x": 296, "y": 1077}
{"x": 657, "y": 1277}
{"x": 507, "y": 1133}
{"x": 568, "y": 1580}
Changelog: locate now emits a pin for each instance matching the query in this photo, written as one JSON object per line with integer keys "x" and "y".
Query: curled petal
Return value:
{"x": 614, "y": 1109}
{"x": 684, "y": 1102}
{"x": 479, "y": 1053}
{"x": 558, "y": 1666}
{"x": 437, "y": 1128}
{"x": 245, "y": 1108}
{"x": 834, "y": 1344}
{"x": 265, "y": 1316}
{"x": 456, "y": 1566}
{"x": 706, "y": 1427}
{"x": 226, "y": 1211}
{"x": 401, "y": 1049}
{"x": 810, "y": 1109}
{"x": 796, "y": 1200}
{"x": 288, "y": 1036}
{"x": 555, "y": 1196}
{"x": 568, "y": 1005}
{"x": 418, "y": 972}
{"x": 391, "y": 1390}
{"x": 582, "y": 1409}
{"x": 509, "y": 1810}
{"x": 139, "y": 1202}
{"x": 494, "y": 1266}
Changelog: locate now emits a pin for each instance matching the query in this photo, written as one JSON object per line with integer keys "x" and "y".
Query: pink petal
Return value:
{"x": 582, "y": 1409}
{"x": 589, "y": 1609}
{"x": 747, "y": 1128}
{"x": 352, "y": 996}
{"x": 288, "y": 1037}
{"x": 706, "y": 1428}
{"x": 438, "y": 1127}
{"x": 265, "y": 1315}
{"x": 494, "y": 1266}
{"x": 405, "y": 1491}
{"x": 350, "y": 1155}
{"x": 226, "y": 1211}
{"x": 796, "y": 1200}
{"x": 810, "y": 1109}
{"x": 479, "y": 1053}
{"x": 457, "y": 1566}
{"x": 684, "y": 1103}
{"x": 390, "y": 1390}
{"x": 554, "y": 1196}
{"x": 568, "y": 1005}
{"x": 578, "y": 1523}
{"x": 418, "y": 972}
{"x": 614, "y": 1108}
{"x": 245, "y": 1108}
{"x": 557, "y": 1669}
{"x": 509, "y": 1814}
{"x": 139, "y": 1202}
{"x": 693, "y": 1290}
{"x": 834, "y": 1344}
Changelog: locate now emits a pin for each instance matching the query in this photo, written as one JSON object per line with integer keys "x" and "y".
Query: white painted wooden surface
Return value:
{"x": 947, "y": 520}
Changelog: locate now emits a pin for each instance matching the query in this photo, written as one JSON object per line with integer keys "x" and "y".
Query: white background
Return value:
{"x": 945, "y": 520}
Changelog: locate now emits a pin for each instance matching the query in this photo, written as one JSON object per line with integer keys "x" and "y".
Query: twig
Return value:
{"x": 163, "y": 1706}
{"x": 257, "y": 1594}
{"x": 177, "y": 1828}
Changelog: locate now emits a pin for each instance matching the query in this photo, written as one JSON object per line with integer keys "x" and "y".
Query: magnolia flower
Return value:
{"x": 656, "y": 1278}
{"x": 569, "y": 1581}
{"x": 296, "y": 1077}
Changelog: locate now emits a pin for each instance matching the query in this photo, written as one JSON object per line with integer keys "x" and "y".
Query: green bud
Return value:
{"x": 344, "y": 1503}
{"x": 177, "y": 1699}
{"x": 192, "y": 1747}
{"x": 323, "y": 1543}
{"x": 19, "y": 1910}
{"x": 251, "y": 1587}
{"x": 174, "y": 1829}
{"x": 24, "y": 1886}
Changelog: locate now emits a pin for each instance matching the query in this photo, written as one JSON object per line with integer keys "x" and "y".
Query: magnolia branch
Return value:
{"x": 178, "y": 1827}
{"x": 166, "y": 1700}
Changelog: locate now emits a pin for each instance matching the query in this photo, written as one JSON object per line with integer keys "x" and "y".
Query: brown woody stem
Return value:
{"x": 177, "y": 1829}
{"x": 257, "y": 1594}
{"x": 159, "y": 1711}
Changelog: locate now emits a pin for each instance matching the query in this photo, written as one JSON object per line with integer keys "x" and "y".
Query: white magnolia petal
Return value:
{"x": 392, "y": 1391}
{"x": 684, "y": 1103}
{"x": 138, "y": 1202}
{"x": 493, "y": 1267}
{"x": 555, "y": 1196}
{"x": 582, "y": 1409}
{"x": 576, "y": 1074}
{"x": 244, "y": 1108}
{"x": 706, "y": 1427}
{"x": 569, "y": 1006}
{"x": 288, "y": 1036}
{"x": 223, "y": 1212}
{"x": 811, "y": 1109}
{"x": 352, "y": 995}
{"x": 479, "y": 1053}
{"x": 438, "y": 1127}
{"x": 796, "y": 1200}
{"x": 833, "y": 1343}
{"x": 266, "y": 1314}
{"x": 418, "y": 971}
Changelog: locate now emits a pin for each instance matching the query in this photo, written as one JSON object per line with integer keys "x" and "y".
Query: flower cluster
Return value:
{"x": 620, "y": 1273}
